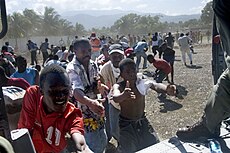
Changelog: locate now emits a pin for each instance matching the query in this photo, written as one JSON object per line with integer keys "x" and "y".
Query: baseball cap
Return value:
{"x": 128, "y": 52}
{"x": 116, "y": 48}
{"x": 116, "y": 51}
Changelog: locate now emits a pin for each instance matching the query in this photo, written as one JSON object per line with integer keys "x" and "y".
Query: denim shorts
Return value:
{"x": 97, "y": 140}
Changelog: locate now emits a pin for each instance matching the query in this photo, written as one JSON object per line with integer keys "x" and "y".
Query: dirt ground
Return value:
{"x": 194, "y": 84}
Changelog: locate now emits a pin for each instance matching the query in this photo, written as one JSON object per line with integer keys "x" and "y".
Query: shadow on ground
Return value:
{"x": 193, "y": 66}
{"x": 168, "y": 104}
{"x": 181, "y": 91}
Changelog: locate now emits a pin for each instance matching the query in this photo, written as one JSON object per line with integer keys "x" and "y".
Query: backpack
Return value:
{"x": 154, "y": 38}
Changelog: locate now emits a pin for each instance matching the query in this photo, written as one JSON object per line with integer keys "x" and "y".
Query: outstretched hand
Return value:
{"x": 97, "y": 106}
{"x": 127, "y": 93}
{"x": 102, "y": 88}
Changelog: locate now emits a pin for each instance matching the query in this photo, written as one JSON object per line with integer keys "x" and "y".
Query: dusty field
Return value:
{"x": 194, "y": 84}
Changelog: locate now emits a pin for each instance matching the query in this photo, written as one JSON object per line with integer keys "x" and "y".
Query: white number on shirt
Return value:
{"x": 50, "y": 134}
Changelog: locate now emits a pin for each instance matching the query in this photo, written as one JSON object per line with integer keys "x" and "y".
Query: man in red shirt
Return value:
{"x": 163, "y": 68}
{"x": 48, "y": 115}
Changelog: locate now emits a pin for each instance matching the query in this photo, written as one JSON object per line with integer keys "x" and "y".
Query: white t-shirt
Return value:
{"x": 184, "y": 42}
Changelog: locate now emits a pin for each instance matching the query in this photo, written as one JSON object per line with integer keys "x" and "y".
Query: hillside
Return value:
{"x": 106, "y": 18}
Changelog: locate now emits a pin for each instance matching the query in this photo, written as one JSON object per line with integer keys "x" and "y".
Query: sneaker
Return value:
{"x": 191, "y": 63}
{"x": 195, "y": 132}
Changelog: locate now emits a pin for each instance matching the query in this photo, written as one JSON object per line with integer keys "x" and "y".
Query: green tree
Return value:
{"x": 34, "y": 22}
{"x": 192, "y": 23}
{"x": 79, "y": 29}
{"x": 136, "y": 24}
{"x": 17, "y": 24}
{"x": 50, "y": 22}
{"x": 126, "y": 24}
{"x": 207, "y": 14}
{"x": 66, "y": 27}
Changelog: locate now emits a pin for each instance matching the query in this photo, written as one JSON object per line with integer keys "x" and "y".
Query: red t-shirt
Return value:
{"x": 162, "y": 65}
{"x": 18, "y": 82}
{"x": 48, "y": 130}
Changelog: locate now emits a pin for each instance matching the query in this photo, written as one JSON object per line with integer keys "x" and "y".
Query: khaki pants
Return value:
{"x": 218, "y": 105}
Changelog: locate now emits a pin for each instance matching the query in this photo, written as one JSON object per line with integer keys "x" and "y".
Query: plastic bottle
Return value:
{"x": 214, "y": 146}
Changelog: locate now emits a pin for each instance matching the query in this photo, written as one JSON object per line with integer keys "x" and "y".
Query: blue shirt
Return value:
{"x": 140, "y": 47}
{"x": 29, "y": 75}
{"x": 32, "y": 46}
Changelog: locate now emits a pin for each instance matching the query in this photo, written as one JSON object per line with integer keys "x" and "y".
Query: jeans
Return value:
{"x": 114, "y": 121}
{"x": 138, "y": 61}
{"x": 45, "y": 56}
{"x": 136, "y": 134}
{"x": 33, "y": 53}
{"x": 160, "y": 76}
{"x": 96, "y": 140}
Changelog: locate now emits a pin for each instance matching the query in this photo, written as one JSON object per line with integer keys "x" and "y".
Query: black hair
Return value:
{"x": 53, "y": 68}
{"x": 125, "y": 62}
{"x": 63, "y": 48}
{"x": 5, "y": 48}
{"x": 38, "y": 67}
{"x": 6, "y": 43}
{"x": 70, "y": 57}
{"x": 80, "y": 43}
{"x": 19, "y": 57}
{"x": 150, "y": 56}
{"x": 71, "y": 46}
{"x": 55, "y": 57}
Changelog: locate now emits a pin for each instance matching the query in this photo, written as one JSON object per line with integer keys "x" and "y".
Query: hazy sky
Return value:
{"x": 168, "y": 7}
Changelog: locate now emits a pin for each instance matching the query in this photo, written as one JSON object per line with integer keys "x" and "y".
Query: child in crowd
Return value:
{"x": 48, "y": 115}
{"x": 136, "y": 132}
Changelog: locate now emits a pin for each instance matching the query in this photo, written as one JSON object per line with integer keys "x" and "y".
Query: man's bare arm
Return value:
{"x": 162, "y": 88}
{"x": 95, "y": 105}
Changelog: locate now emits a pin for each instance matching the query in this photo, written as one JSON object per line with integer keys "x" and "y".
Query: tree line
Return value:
{"x": 50, "y": 23}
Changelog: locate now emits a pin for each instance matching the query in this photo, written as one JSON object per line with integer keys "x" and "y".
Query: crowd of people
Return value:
{"x": 91, "y": 83}
{"x": 93, "y": 90}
